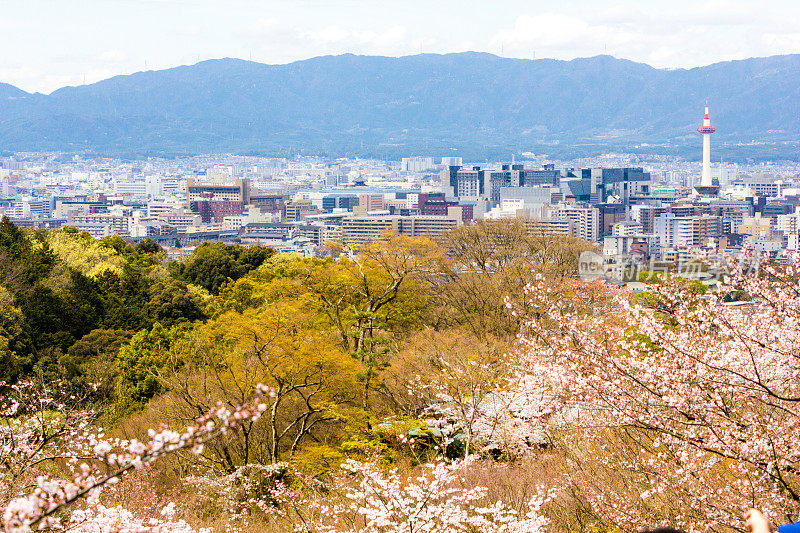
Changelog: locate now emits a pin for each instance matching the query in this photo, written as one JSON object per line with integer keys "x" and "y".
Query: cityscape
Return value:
{"x": 424, "y": 267}
{"x": 664, "y": 210}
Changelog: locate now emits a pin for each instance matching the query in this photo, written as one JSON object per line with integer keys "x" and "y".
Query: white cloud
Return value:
{"x": 548, "y": 29}
{"x": 710, "y": 31}
{"x": 560, "y": 36}
{"x": 365, "y": 40}
{"x": 113, "y": 56}
{"x": 117, "y": 37}
{"x": 782, "y": 42}
{"x": 329, "y": 34}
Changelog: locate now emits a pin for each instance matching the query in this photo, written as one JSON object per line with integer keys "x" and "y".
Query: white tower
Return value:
{"x": 706, "y": 187}
{"x": 706, "y": 129}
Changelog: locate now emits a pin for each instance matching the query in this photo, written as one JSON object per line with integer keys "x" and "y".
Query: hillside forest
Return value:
{"x": 465, "y": 383}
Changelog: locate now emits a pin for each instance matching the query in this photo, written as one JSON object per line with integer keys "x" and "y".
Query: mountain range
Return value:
{"x": 467, "y": 103}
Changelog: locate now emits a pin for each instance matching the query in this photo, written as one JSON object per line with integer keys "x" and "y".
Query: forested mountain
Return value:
{"x": 67, "y": 301}
{"x": 383, "y": 106}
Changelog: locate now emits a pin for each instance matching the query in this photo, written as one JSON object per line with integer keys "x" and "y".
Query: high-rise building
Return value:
{"x": 789, "y": 224}
{"x": 609, "y": 215}
{"x": 300, "y": 209}
{"x": 469, "y": 183}
{"x": 417, "y": 164}
{"x": 620, "y": 183}
{"x": 125, "y": 185}
{"x": 683, "y": 232}
{"x": 585, "y": 219}
{"x": 371, "y": 202}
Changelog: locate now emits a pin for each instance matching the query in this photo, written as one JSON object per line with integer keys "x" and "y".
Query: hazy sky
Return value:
{"x": 46, "y": 44}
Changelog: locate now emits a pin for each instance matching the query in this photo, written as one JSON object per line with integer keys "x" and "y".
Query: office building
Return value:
{"x": 237, "y": 191}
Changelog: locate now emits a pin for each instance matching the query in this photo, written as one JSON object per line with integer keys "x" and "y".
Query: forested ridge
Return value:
{"x": 480, "y": 105}
{"x": 69, "y": 300}
{"x": 466, "y": 383}
{"x": 82, "y": 311}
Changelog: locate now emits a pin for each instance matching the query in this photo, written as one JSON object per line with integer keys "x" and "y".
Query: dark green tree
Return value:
{"x": 213, "y": 264}
{"x": 93, "y": 360}
{"x": 140, "y": 365}
{"x": 148, "y": 247}
{"x": 172, "y": 303}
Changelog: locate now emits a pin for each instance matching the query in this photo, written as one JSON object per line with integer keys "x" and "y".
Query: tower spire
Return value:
{"x": 706, "y": 186}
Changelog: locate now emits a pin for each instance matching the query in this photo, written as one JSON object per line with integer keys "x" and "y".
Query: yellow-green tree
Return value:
{"x": 288, "y": 347}
{"x": 366, "y": 294}
{"x": 80, "y": 251}
{"x": 379, "y": 288}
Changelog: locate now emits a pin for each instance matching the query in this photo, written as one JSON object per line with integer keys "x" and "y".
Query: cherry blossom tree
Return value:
{"x": 32, "y": 441}
{"x": 435, "y": 499}
{"x": 686, "y": 408}
{"x": 39, "y": 425}
{"x": 102, "y": 519}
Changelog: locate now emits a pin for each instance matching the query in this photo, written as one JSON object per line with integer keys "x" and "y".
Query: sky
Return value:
{"x": 47, "y": 44}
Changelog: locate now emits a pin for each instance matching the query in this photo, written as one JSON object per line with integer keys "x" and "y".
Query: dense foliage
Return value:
{"x": 212, "y": 264}
{"x": 465, "y": 384}
{"x": 61, "y": 288}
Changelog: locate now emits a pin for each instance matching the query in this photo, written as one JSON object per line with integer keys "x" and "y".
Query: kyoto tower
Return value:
{"x": 706, "y": 188}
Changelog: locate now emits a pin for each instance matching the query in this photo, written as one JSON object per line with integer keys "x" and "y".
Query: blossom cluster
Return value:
{"x": 437, "y": 499}
{"x": 94, "y": 460}
{"x": 102, "y": 519}
{"x": 695, "y": 398}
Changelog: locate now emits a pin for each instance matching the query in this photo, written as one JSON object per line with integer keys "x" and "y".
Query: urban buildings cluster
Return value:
{"x": 664, "y": 209}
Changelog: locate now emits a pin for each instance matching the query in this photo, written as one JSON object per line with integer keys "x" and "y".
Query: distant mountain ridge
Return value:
{"x": 9, "y": 91}
{"x": 367, "y": 105}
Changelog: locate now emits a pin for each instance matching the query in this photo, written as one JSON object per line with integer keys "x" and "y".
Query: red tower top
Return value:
{"x": 706, "y": 127}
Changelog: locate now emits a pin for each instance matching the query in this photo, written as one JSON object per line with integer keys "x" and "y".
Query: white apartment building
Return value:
{"x": 127, "y": 185}
{"x": 416, "y": 164}
{"x": 682, "y": 232}
{"x": 630, "y": 245}
{"x": 674, "y": 232}
{"x": 154, "y": 186}
{"x": 793, "y": 242}
{"x": 789, "y": 224}
{"x": 113, "y": 224}
{"x": 181, "y": 221}
{"x": 452, "y": 162}
{"x": 173, "y": 186}
{"x": 585, "y": 219}
{"x": 627, "y": 228}
{"x": 549, "y": 226}
{"x": 156, "y": 208}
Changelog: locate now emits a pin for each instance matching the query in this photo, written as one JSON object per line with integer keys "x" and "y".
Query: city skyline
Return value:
{"x": 51, "y": 45}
